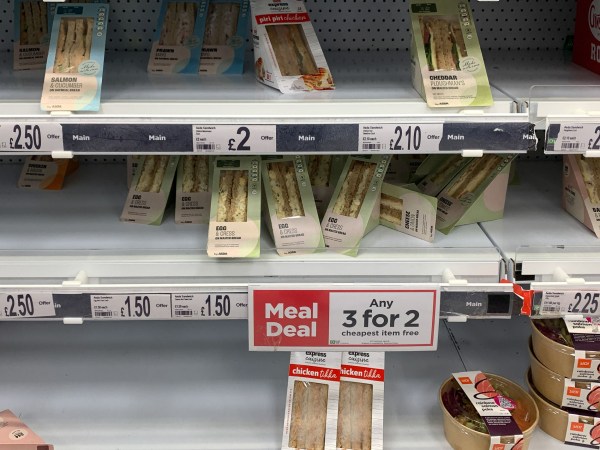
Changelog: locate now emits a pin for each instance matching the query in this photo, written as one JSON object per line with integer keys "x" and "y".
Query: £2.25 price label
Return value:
{"x": 373, "y": 318}
{"x": 27, "y": 137}
{"x": 131, "y": 306}
{"x": 235, "y": 139}
{"x": 570, "y": 302}
{"x": 23, "y": 305}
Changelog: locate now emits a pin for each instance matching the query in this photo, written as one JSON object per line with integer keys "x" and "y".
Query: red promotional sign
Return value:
{"x": 379, "y": 318}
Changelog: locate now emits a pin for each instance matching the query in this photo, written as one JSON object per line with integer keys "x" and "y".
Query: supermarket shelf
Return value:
{"x": 368, "y": 87}
{"x": 549, "y": 82}
{"x": 537, "y": 234}
{"x": 49, "y": 237}
{"x": 95, "y": 382}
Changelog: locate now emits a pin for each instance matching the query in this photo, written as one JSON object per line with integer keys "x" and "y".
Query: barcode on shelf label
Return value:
{"x": 570, "y": 302}
{"x": 234, "y": 139}
{"x": 201, "y": 306}
{"x": 572, "y": 137}
{"x": 23, "y": 305}
{"x": 131, "y": 306}
{"x": 30, "y": 137}
{"x": 401, "y": 137}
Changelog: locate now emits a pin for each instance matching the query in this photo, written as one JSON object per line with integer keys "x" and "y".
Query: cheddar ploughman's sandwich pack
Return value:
{"x": 287, "y": 52}
{"x": 447, "y": 64}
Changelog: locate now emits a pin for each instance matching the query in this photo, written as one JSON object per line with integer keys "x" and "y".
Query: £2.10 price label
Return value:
{"x": 400, "y": 138}
{"x": 219, "y": 305}
{"x": 235, "y": 139}
{"x": 23, "y": 305}
{"x": 570, "y": 302}
{"x": 377, "y": 318}
{"x": 27, "y": 137}
{"x": 131, "y": 306}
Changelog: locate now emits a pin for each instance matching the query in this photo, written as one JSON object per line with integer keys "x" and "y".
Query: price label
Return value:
{"x": 235, "y": 139}
{"x": 28, "y": 137}
{"x": 196, "y": 306}
{"x": 572, "y": 137}
{"x": 23, "y": 305}
{"x": 570, "y": 302}
{"x": 375, "y": 318}
{"x": 131, "y": 306}
{"x": 400, "y": 138}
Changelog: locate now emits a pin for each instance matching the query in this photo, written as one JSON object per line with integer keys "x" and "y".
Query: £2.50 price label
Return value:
{"x": 220, "y": 305}
{"x": 23, "y": 305}
{"x": 570, "y": 302}
{"x": 373, "y": 318}
{"x": 27, "y": 137}
{"x": 235, "y": 139}
{"x": 131, "y": 306}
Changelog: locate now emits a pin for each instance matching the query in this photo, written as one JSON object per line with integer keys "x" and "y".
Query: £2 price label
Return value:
{"x": 22, "y": 305}
{"x": 235, "y": 139}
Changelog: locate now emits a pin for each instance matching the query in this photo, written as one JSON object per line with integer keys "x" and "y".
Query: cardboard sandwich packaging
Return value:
{"x": 291, "y": 210}
{"x": 581, "y": 190}
{"x": 45, "y": 173}
{"x": 287, "y": 52}
{"x": 324, "y": 172}
{"x": 15, "y": 435}
{"x": 476, "y": 193}
{"x": 447, "y": 64}
{"x": 193, "y": 196}
{"x": 354, "y": 207}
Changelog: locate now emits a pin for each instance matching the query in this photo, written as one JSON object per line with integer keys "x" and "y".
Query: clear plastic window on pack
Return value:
{"x": 179, "y": 23}
{"x": 355, "y": 188}
{"x": 309, "y": 415}
{"x": 284, "y": 186}
{"x": 475, "y": 174}
{"x": 319, "y": 170}
{"x": 153, "y": 174}
{"x": 74, "y": 44}
{"x": 33, "y": 28}
{"x": 195, "y": 174}
{"x": 392, "y": 209}
{"x": 233, "y": 196}
{"x": 292, "y": 51}
{"x": 221, "y": 23}
{"x": 355, "y": 416}
{"x": 444, "y": 42}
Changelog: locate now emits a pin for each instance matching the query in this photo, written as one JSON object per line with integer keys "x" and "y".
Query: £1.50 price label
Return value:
{"x": 131, "y": 306}
{"x": 400, "y": 138}
{"x": 570, "y": 302}
{"x": 196, "y": 306}
{"x": 373, "y": 318}
{"x": 27, "y": 137}
{"x": 23, "y": 305}
{"x": 235, "y": 139}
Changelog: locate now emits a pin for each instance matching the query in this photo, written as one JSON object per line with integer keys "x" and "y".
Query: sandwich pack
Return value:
{"x": 311, "y": 409}
{"x": 150, "y": 188}
{"x": 15, "y": 435}
{"x": 287, "y": 52}
{"x": 437, "y": 171}
{"x": 75, "y": 63}
{"x": 402, "y": 168}
{"x": 581, "y": 190}
{"x": 32, "y": 34}
{"x": 360, "y": 409}
{"x": 225, "y": 30}
{"x": 200, "y": 36}
{"x": 45, "y": 173}
{"x": 234, "y": 229}
{"x": 192, "y": 200}
{"x": 447, "y": 64}
{"x": 354, "y": 207}
{"x": 405, "y": 209}
{"x": 324, "y": 171}
{"x": 292, "y": 213}
{"x": 476, "y": 194}
{"x": 133, "y": 162}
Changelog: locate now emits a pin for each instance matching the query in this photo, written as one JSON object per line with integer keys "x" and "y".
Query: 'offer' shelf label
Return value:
{"x": 376, "y": 318}
{"x": 26, "y": 305}
{"x": 30, "y": 137}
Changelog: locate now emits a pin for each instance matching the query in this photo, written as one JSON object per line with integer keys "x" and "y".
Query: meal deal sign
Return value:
{"x": 375, "y": 318}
